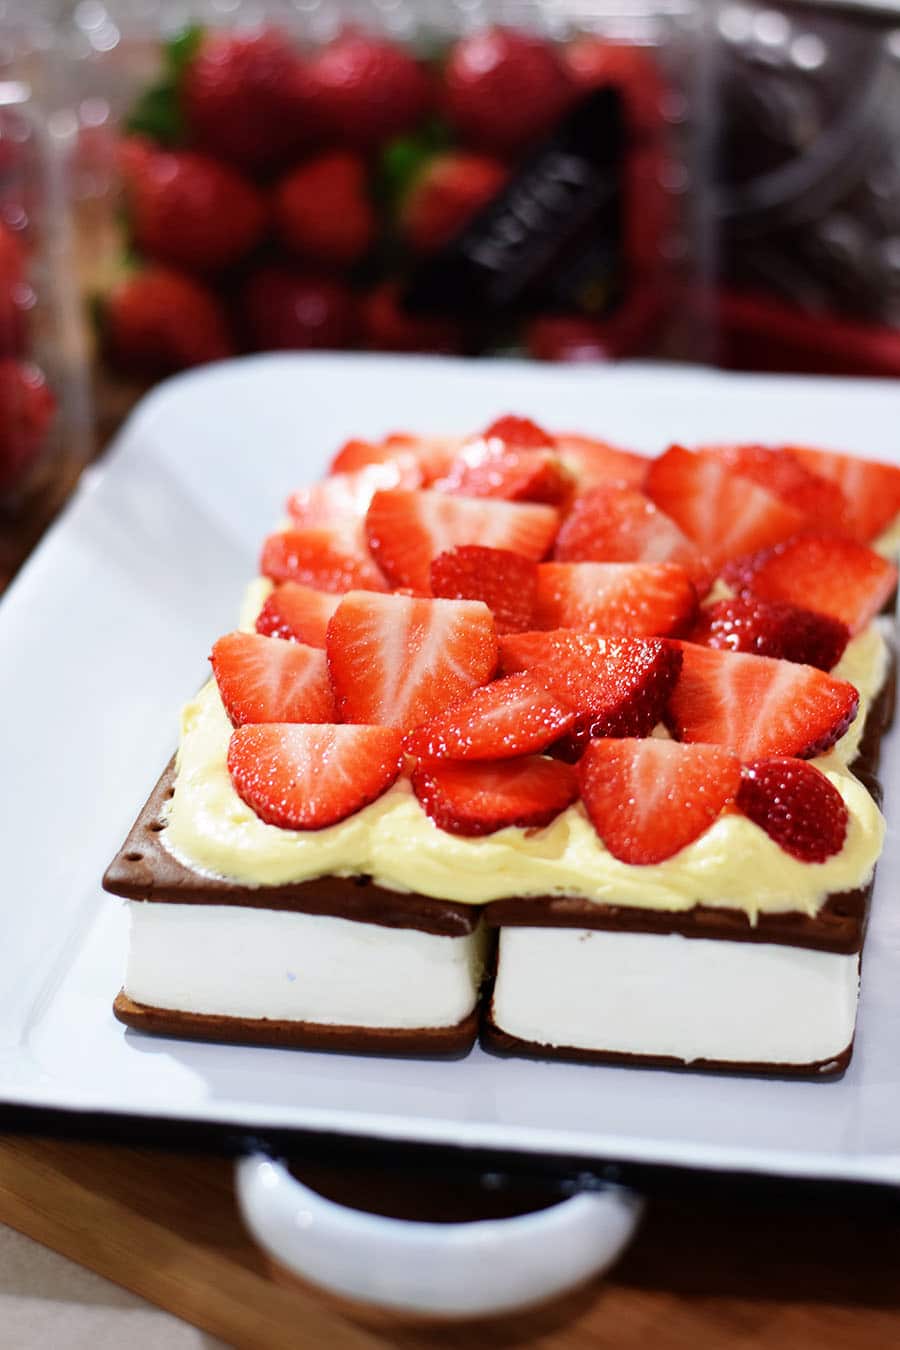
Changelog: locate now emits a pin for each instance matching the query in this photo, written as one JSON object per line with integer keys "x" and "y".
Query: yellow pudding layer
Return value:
{"x": 733, "y": 865}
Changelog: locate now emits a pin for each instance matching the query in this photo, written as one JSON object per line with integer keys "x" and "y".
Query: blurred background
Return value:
{"x": 574, "y": 180}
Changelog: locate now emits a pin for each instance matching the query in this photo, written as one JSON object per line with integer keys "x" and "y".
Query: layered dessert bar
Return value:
{"x": 604, "y": 726}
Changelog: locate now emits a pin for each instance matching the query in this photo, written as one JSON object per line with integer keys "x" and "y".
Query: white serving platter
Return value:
{"x": 106, "y": 631}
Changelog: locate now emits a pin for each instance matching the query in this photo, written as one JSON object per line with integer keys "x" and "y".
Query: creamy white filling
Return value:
{"x": 692, "y": 998}
{"x": 242, "y": 962}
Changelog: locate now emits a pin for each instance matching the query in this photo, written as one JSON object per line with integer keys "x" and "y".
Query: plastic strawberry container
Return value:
{"x": 808, "y": 186}
{"x": 362, "y": 175}
{"x": 44, "y": 410}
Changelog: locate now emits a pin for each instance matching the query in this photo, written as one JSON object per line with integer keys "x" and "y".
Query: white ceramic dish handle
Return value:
{"x": 438, "y": 1269}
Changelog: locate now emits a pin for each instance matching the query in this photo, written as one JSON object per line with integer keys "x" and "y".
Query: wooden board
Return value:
{"x": 718, "y": 1264}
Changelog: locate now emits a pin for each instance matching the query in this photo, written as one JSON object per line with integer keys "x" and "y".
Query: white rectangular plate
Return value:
{"x": 105, "y": 633}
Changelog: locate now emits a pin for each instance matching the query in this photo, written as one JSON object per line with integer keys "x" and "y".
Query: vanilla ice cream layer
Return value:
{"x": 691, "y": 998}
{"x": 230, "y": 961}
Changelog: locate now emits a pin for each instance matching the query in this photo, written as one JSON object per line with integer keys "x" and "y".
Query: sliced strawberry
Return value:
{"x": 641, "y": 599}
{"x": 430, "y": 457}
{"x": 620, "y": 686}
{"x": 511, "y": 475}
{"x": 723, "y": 513}
{"x": 519, "y": 433}
{"x": 871, "y": 489}
{"x": 397, "y": 661}
{"x": 619, "y": 524}
{"x": 331, "y": 557}
{"x": 309, "y": 777}
{"x": 648, "y": 799}
{"x": 347, "y": 495}
{"x": 758, "y": 706}
{"x": 518, "y": 715}
{"x": 474, "y": 799}
{"x": 595, "y": 463}
{"x": 505, "y": 581}
{"x": 406, "y": 530}
{"x": 297, "y": 613}
{"x": 820, "y": 499}
{"x": 261, "y": 679}
{"x": 771, "y": 628}
{"x": 524, "y": 651}
{"x": 827, "y": 573}
{"x": 796, "y": 805}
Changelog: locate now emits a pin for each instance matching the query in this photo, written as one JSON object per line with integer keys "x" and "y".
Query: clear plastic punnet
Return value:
{"x": 474, "y": 178}
{"x": 44, "y": 406}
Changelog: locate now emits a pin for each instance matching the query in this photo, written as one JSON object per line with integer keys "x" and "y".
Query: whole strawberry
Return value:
{"x": 244, "y": 97}
{"x": 451, "y": 189}
{"x": 364, "y": 90}
{"x": 285, "y": 309}
{"x": 387, "y": 327}
{"x": 158, "y": 321}
{"x": 193, "y": 212}
{"x": 27, "y": 406}
{"x": 322, "y": 209}
{"x": 504, "y": 88}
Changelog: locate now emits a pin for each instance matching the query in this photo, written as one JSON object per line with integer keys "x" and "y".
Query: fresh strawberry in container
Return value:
{"x": 192, "y": 211}
{"x": 245, "y": 99}
{"x": 157, "y": 321}
{"x": 17, "y": 297}
{"x": 364, "y": 89}
{"x": 27, "y": 406}
{"x": 323, "y": 210}
{"x": 504, "y": 88}
{"x": 387, "y": 326}
{"x": 284, "y": 308}
{"x": 446, "y": 194}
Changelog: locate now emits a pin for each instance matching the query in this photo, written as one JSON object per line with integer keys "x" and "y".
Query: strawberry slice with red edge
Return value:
{"x": 639, "y": 599}
{"x": 470, "y": 798}
{"x": 509, "y": 475}
{"x": 506, "y": 582}
{"x": 779, "y": 471}
{"x": 620, "y": 685}
{"x": 758, "y": 706}
{"x": 518, "y": 433}
{"x": 648, "y": 799}
{"x": 618, "y": 524}
{"x": 771, "y": 628}
{"x": 332, "y": 557}
{"x": 429, "y": 456}
{"x": 262, "y": 679}
{"x": 723, "y": 513}
{"x": 348, "y": 495}
{"x": 826, "y": 573}
{"x": 871, "y": 489}
{"x": 597, "y": 463}
{"x": 396, "y": 660}
{"x": 796, "y": 805}
{"x": 407, "y": 530}
{"x": 517, "y": 715}
{"x": 297, "y": 613}
{"x": 309, "y": 777}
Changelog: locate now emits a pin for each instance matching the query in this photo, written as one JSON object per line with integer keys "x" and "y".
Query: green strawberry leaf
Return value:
{"x": 403, "y": 159}
{"x": 157, "y": 112}
{"x": 181, "y": 49}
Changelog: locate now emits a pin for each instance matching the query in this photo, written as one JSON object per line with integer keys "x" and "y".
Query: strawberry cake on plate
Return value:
{"x": 532, "y": 731}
